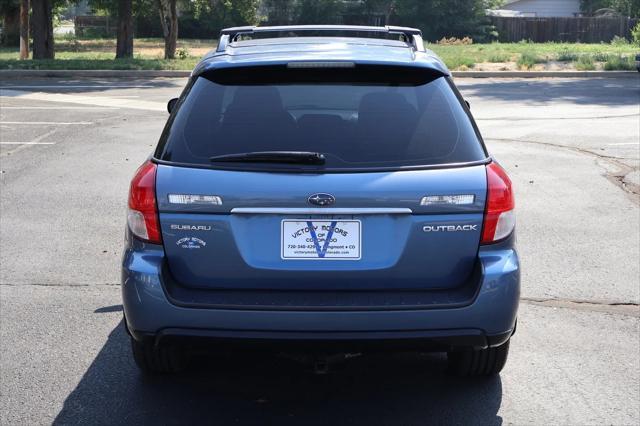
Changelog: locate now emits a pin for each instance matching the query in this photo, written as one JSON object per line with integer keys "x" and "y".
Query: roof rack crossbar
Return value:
{"x": 413, "y": 36}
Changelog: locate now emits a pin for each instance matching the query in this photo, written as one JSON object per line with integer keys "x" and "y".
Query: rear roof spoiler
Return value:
{"x": 412, "y": 36}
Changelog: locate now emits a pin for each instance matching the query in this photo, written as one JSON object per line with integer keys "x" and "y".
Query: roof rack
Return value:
{"x": 412, "y": 36}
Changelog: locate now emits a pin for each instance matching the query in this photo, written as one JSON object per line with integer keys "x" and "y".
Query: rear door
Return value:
{"x": 391, "y": 241}
{"x": 398, "y": 204}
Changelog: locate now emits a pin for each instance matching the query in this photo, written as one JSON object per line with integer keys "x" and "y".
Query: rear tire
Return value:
{"x": 478, "y": 362}
{"x": 161, "y": 359}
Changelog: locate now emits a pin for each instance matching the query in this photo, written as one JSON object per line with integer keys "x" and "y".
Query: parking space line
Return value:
{"x": 103, "y": 101}
{"x": 80, "y": 86}
{"x": 54, "y": 107}
{"x": 27, "y": 143}
{"x": 623, "y": 144}
{"x": 48, "y": 123}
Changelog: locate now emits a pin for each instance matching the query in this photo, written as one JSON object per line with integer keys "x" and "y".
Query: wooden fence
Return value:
{"x": 585, "y": 30}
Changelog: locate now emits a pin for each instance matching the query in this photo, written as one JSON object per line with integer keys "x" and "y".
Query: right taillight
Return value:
{"x": 499, "y": 216}
{"x": 142, "y": 216}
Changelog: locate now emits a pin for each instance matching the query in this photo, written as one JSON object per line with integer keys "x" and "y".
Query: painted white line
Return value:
{"x": 54, "y": 107}
{"x": 87, "y": 100}
{"x": 27, "y": 143}
{"x": 623, "y": 144}
{"x": 79, "y": 86}
{"x": 48, "y": 123}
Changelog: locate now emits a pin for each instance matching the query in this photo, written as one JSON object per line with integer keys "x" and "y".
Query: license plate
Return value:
{"x": 321, "y": 239}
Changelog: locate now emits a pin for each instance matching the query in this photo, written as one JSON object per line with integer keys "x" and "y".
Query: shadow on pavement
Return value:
{"x": 374, "y": 389}
{"x": 107, "y": 309}
{"x": 590, "y": 91}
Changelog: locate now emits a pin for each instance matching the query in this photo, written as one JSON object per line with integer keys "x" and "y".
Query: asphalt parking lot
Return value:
{"x": 68, "y": 149}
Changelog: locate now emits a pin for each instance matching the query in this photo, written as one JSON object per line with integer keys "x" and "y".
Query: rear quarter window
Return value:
{"x": 357, "y": 123}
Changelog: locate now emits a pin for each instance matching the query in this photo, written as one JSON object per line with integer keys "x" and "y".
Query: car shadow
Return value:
{"x": 588, "y": 91}
{"x": 248, "y": 389}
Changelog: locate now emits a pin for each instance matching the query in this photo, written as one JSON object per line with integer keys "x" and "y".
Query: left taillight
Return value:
{"x": 499, "y": 215}
{"x": 142, "y": 216}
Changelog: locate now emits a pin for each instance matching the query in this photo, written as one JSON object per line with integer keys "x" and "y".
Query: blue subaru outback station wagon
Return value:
{"x": 321, "y": 185}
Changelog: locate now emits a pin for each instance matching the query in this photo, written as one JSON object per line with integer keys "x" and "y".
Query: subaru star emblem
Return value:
{"x": 322, "y": 199}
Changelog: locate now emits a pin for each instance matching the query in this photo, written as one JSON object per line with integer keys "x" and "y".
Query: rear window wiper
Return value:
{"x": 293, "y": 157}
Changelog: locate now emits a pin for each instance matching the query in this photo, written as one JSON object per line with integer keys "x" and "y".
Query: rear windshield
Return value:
{"x": 376, "y": 122}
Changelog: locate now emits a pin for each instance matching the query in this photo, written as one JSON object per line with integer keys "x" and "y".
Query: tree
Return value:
{"x": 318, "y": 11}
{"x": 124, "y": 43}
{"x": 385, "y": 6}
{"x": 451, "y": 18}
{"x": 42, "y": 26}
{"x": 124, "y": 10}
{"x": 24, "y": 29}
{"x": 10, "y": 11}
{"x": 279, "y": 12}
{"x": 629, "y": 8}
{"x": 169, "y": 20}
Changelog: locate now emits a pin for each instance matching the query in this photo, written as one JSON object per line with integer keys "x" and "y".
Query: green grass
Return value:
{"x": 585, "y": 63}
{"x": 94, "y": 54}
{"x": 528, "y": 59}
{"x": 620, "y": 63}
{"x": 72, "y": 53}
{"x": 499, "y": 57}
{"x": 567, "y": 55}
{"x": 528, "y": 54}
{"x": 100, "y": 64}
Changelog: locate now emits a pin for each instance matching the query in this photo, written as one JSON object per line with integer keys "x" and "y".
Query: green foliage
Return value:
{"x": 528, "y": 59}
{"x": 623, "y": 7}
{"x": 286, "y": 12}
{"x": 99, "y": 64}
{"x": 619, "y": 41}
{"x": 318, "y": 11}
{"x": 279, "y": 12}
{"x": 72, "y": 53}
{"x": 585, "y": 63}
{"x": 635, "y": 34}
{"x": 436, "y": 18}
{"x": 197, "y": 18}
{"x": 499, "y": 57}
{"x": 567, "y": 55}
{"x": 452, "y": 18}
{"x": 600, "y": 56}
{"x": 8, "y": 6}
{"x": 460, "y": 62}
{"x": 183, "y": 53}
{"x": 619, "y": 63}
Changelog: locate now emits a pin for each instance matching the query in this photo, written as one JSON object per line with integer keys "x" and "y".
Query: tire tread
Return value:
{"x": 478, "y": 362}
{"x": 152, "y": 359}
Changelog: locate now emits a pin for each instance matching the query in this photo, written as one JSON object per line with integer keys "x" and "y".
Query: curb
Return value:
{"x": 4, "y": 74}
{"x": 94, "y": 73}
{"x": 544, "y": 74}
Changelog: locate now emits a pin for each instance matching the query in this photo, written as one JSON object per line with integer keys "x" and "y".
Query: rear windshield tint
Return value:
{"x": 357, "y": 120}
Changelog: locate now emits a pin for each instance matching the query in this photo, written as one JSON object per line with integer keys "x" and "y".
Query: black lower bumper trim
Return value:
{"x": 425, "y": 340}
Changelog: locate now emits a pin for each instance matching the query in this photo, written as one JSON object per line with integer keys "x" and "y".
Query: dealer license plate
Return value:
{"x": 321, "y": 239}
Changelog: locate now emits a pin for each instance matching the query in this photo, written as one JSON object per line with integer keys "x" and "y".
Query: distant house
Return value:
{"x": 538, "y": 8}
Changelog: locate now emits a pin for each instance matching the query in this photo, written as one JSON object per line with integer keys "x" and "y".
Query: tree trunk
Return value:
{"x": 169, "y": 21}
{"x": 11, "y": 27}
{"x": 124, "y": 45}
{"x": 24, "y": 29}
{"x": 42, "y": 17}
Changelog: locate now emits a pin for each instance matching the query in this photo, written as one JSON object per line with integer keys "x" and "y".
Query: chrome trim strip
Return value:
{"x": 321, "y": 211}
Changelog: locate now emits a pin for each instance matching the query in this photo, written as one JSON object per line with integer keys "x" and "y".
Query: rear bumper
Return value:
{"x": 487, "y": 320}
